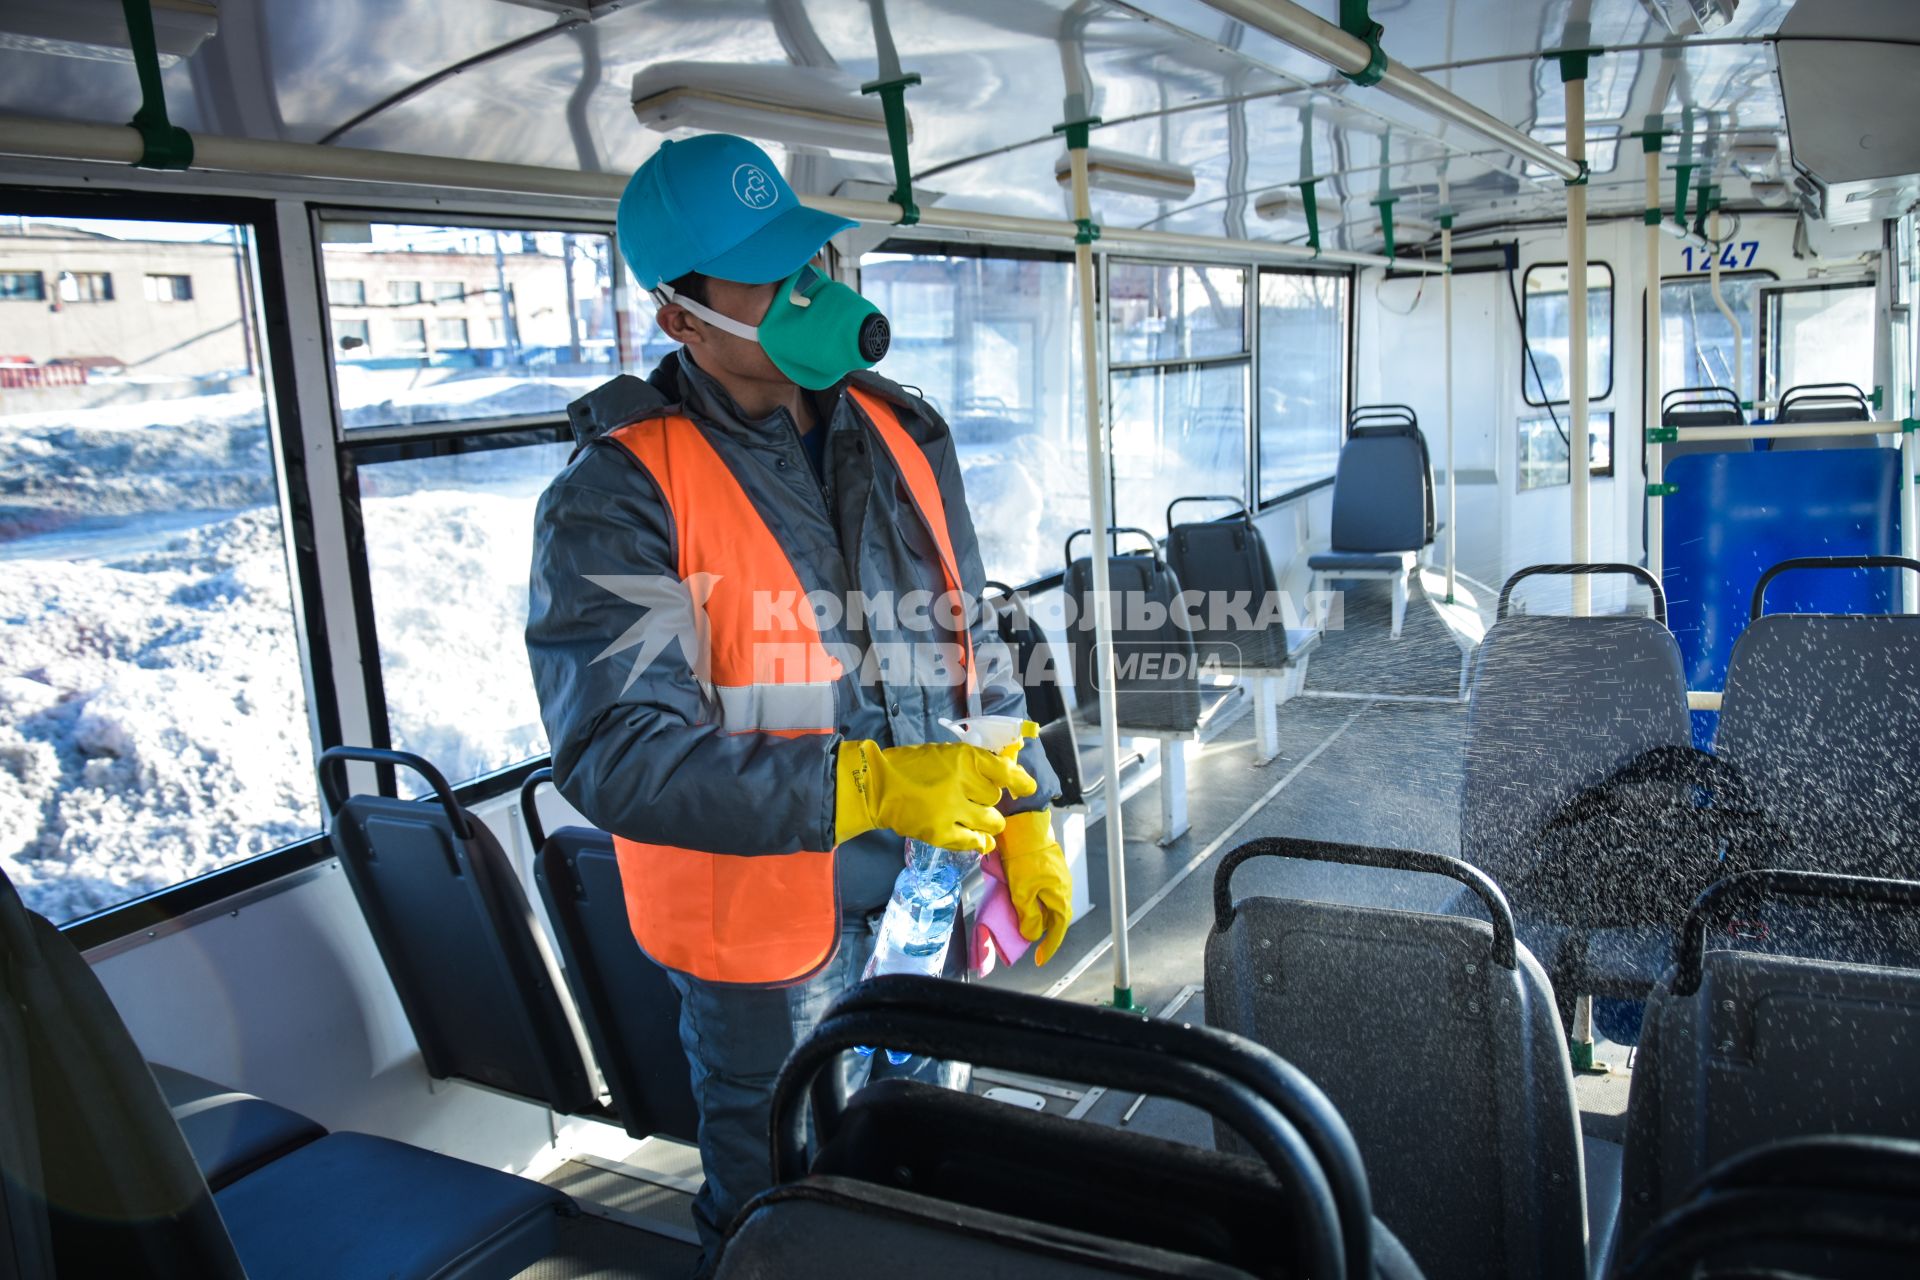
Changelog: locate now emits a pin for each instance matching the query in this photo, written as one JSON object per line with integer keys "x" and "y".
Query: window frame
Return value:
{"x": 151, "y": 286}
{"x": 1762, "y": 275}
{"x": 1613, "y": 329}
{"x": 107, "y": 295}
{"x": 1763, "y": 347}
{"x": 1348, "y": 337}
{"x": 290, "y": 454}
{"x": 40, "y": 278}
{"x": 625, "y": 346}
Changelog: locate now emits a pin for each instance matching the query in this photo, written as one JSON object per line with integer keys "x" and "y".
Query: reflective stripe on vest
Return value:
{"x": 752, "y": 919}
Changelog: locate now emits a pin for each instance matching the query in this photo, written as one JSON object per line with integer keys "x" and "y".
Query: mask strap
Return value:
{"x": 751, "y": 333}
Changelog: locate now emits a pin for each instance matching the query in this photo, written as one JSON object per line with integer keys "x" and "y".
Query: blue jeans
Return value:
{"x": 737, "y": 1038}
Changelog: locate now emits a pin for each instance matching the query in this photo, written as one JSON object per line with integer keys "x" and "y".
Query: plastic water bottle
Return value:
{"x": 918, "y": 924}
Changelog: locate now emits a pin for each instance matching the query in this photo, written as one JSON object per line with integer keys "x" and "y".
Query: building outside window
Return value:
{"x": 22, "y": 286}
{"x": 409, "y": 335}
{"x": 86, "y": 286}
{"x": 545, "y": 306}
{"x": 169, "y": 288}
{"x": 351, "y": 335}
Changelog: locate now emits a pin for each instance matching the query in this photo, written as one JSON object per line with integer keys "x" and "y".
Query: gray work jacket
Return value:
{"x": 639, "y": 753}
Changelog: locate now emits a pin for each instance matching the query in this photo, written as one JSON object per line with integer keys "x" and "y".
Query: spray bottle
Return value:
{"x": 918, "y": 923}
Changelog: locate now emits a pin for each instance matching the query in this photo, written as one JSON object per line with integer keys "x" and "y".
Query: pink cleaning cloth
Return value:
{"x": 996, "y": 927}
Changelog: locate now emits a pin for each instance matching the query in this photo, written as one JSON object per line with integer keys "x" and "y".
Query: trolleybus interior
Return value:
{"x": 1516, "y": 878}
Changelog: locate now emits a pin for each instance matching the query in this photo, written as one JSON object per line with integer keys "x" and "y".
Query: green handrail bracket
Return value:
{"x": 1663, "y": 435}
{"x": 1909, "y": 424}
{"x": 1358, "y": 23}
{"x": 893, "y": 101}
{"x": 1075, "y": 132}
{"x": 1385, "y": 205}
{"x": 1574, "y": 63}
{"x": 1662, "y": 490}
{"x": 1310, "y": 201}
{"x": 164, "y": 145}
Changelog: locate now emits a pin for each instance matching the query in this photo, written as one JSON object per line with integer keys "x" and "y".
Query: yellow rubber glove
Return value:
{"x": 939, "y": 792}
{"x": 1037, "y": 880}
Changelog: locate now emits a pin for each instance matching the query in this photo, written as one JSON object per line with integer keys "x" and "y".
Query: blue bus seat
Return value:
{"x": 230, "y": 1133}
{"x": 1823, "y": 402}
{"x": 1357, "y": 997}
{"x": 1383, "y": 510}
{"x": 630, "y": 1011}
{"x": 458, "y": 936}
{"x": 99, "y": 1180}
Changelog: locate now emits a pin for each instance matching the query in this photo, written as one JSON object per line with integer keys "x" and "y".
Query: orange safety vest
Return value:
{"x": 754, "y": 919}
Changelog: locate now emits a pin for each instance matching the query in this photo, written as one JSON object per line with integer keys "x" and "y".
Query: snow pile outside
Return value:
{"x": 153, "y": 720}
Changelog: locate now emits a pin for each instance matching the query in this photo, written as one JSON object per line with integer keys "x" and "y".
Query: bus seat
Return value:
{"x": 229, "y": 1132}
{"x": 1556, "y": 705}
{"x": 454, "y": 927}
{"x": 1437, "y": 1038}
{"x": 1819, "y": 716}
{"x": 1383, "y": 511}
{"x": 1824, "y": 402}
{"x": 1157, "y": 676}
{"x": 1745, "y": 1047}
{"x": 945, "y": 1178}
{"x": 105, "y": 1183}
{"x": 1154, "y": 686}
{"x": 630, "y": 1010}
{"x": 1038, "y": 674}
{"x": 1225, "y": 562}
{"x": 1843, "y": 1207}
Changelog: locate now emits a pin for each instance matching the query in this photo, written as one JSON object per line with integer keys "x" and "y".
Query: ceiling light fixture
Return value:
{"x": 1129, "y": 175}
{"x": 794, "y": 106}
{"x": 97, "y": 29}
{"x": 1283, "y": 205}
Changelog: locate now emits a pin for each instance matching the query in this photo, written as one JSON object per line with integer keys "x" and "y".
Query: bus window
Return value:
{"x": 1817, "y": 333}
{"x": 993, "y": 344}
{"x": 153, "y": 719}
{"x": 1303, "y": 323}
{"x": 1543, "y": 379}
{"x": 1696, "y": 342}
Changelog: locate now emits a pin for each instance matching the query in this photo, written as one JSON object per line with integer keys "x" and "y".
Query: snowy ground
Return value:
{"x": 153, "y": 722}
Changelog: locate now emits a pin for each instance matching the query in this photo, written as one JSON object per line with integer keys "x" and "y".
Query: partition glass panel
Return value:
{"x": 1696, "y": 342}
{"x": 1818, "y": 333}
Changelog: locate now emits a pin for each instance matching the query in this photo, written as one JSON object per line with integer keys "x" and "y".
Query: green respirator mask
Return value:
{"x": 816, "y": 330}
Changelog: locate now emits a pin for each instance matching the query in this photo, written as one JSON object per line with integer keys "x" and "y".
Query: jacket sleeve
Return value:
{"x": 638, "y": 752}
{"x": 1000, "y": 691}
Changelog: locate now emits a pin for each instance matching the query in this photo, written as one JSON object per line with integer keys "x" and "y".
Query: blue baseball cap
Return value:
{"x": 717, "y": 205}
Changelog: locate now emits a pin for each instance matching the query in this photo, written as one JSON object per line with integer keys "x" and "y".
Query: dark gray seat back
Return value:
{"x": 630, "y": 1011}
{"x": 1475, "y": 1160}
{"x": 453, "y": 925}
{"x": 95, "y": 1178}
{"x": 1557, "y": 704}
{"x": 1743, "y": 1047}
{"x": 1820, "y": 715}
{"x": 1037, "y": 671}
{"x": 1382, "y": 492}
{"x": 1225, "y": 560}
{"x": 1155, "y": 686}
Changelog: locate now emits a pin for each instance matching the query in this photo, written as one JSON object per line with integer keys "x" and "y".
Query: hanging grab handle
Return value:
{"x": 1585, "y": 570}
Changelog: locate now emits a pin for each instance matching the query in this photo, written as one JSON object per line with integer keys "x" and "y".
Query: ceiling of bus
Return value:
{"x": 546, "y": 82}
